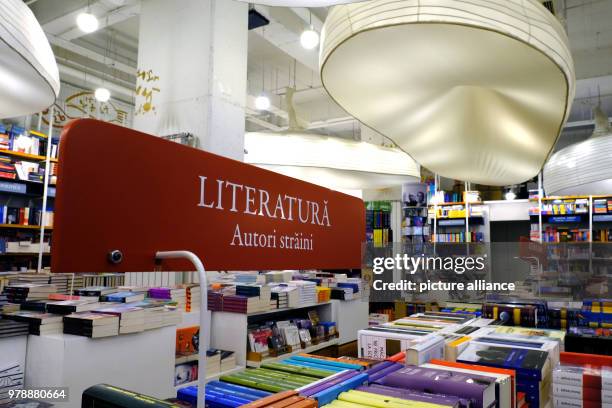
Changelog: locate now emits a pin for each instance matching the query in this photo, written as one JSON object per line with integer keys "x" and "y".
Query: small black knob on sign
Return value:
{"x": 115, "y": 256}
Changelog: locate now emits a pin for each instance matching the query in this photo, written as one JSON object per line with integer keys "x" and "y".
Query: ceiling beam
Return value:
{"x": 111, "y": 18}
{"x": 94, "y": 56}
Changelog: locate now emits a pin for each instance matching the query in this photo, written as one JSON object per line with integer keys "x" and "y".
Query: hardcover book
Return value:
{"x": 529, "y": 364}
{"x": 480, "y": 390}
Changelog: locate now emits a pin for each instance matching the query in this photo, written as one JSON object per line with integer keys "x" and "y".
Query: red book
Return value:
{"x": 595, "y": 360}
{"x": 399, "y": 357}
{"x": 21, "y": 216}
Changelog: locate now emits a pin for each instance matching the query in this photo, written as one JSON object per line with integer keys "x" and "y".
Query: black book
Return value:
{"x": 36, "y": 305}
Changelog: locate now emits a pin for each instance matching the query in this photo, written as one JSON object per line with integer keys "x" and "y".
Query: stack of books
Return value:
{"x": 66, "y": 307}
{"x": 131, "y": 318}
{"x": 12, "y": 377}
{"x": 307, "y": 291}
{"x": 95, "y": 291}
{"x": 284, "y": 296}
{"x": 91, "y": 324}
{"x": 194, "y": 296}
{"x": 112, "y": 280}
{"x": 159, "y": 313}
{"x": 6, "y": 306}
{"x": 581, "y": 386}
{"x": 252, "y": 277}
{"x": 123, "y": 297}
{"x": 176, "y": 294}
{"x": 21, "y": 292}
{"x": 39, "y": 323}
{"x": 228, "y": 360}
{"x": 244, "y": 304}
{"x": 279, "y": 276}
{"x": 10, "y": 328}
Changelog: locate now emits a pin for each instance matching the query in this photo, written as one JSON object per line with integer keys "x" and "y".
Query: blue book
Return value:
{"x": 529, "y": 364}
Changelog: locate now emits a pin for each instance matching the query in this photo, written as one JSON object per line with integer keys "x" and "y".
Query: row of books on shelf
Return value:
{"x": 8, "y": 245}
{"x": 18, "y": 139}
{"x": 459, "y": 237}
{"x": 571, "y": 206}
{"x": 562, "y": 234}
{"x": 456, "y": 211}
{"x": 274, "y": 338}
{"x": 377, "y": 219}
{"x": 25, "y": 216}
{"x": 187, "y": 359}
{"x": 217, "y": 362}
{"x": 602, "y": 205}
{"x": 63, "y": 283}
{"x": 23, "y": 170}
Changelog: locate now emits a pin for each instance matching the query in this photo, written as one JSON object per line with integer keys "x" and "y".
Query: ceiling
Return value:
{"x": 276, "y": 60}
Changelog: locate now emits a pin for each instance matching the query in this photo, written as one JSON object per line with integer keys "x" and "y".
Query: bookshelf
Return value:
{"x": 457, "y": 221}
{"x": 22, "y": 168}
{"x": 229, "y": 330}
{"x": 571, "y": 219}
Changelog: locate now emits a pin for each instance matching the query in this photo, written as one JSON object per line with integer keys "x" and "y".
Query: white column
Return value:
{"x": 192, "y": 62}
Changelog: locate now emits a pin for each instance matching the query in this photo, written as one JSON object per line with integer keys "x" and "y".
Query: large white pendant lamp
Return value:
{"x": 583, "y": 168}
{"x": 29, "y": 78}
{"x": 300, "y": 3}
{"x": 332, "y": 162}
{"x": 472, "y": 90}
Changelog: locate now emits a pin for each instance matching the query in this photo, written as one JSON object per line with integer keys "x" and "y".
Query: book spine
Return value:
{"x": 580, "y": 393}
{"x": 576, "y": 379}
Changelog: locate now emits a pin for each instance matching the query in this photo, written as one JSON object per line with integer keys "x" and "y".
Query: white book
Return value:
{"x": 424, "y": 350}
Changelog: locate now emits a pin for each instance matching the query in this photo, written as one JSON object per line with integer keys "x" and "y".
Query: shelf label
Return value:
{"x": 12, "y": 187}
{"x": 158, "y": 195}
{"x": 567, "y": 218}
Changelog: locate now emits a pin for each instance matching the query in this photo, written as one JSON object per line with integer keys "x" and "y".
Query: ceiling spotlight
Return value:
{"x": 102, "y": 94}
{"x": 510, "y": 195}
{"x": 87, "y": 22}
{"x": 309, "y": 38}
{"x": 262, "y": 102}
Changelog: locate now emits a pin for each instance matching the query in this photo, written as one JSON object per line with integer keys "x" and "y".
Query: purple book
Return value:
{"x": 379, "y": 366}
{"x": 393, "y": 367}
{"x": 480, "y": 390}
{"x": 440, "y": 399}
{"x": 307, "y": 392}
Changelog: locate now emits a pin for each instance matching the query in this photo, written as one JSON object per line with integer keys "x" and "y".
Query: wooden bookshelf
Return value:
{"x": 19, "y": 226}
{"x": 26, "y": 156}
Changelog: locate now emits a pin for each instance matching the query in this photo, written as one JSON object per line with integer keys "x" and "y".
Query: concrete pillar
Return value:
{"x": 192, "y": 70}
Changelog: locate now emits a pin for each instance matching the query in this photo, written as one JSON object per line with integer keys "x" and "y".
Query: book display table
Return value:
{"x": 142, "y": 362}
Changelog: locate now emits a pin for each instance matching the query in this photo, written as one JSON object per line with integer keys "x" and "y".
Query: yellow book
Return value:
{"x": 383, "y": 401}
{"x": 455, "y": 347}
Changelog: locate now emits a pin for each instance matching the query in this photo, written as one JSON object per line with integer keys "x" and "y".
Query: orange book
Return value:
{"x": 187, "y": 339}
{"x": 264, "y": 402}
{"x": 305, "y": 403}
{"x": 594, "y": 360}
{"x": 484, "y": 369}
{"x": 399, "y": 357}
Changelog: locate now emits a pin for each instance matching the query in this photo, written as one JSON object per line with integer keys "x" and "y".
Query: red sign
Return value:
{"x": 135, "y": 194}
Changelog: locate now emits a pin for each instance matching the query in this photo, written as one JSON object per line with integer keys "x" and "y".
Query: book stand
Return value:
{"x": 204, "y": 319}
